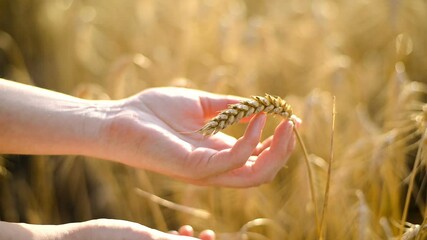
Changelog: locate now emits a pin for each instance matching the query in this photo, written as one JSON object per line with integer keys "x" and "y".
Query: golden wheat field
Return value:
{"x": 370, "y": 55}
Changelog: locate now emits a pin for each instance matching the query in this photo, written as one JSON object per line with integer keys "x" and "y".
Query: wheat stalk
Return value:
{"x": 246, "y": 108}
{"x": 175, "y": 206}
{"x": 328, "y": 180}
{"x": 411, "y": 183}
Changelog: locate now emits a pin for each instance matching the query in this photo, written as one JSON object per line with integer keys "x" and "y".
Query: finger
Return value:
{"x": 261, "y": 169}
{"x": 296, "y": 120}
{"x": 282, "y": 136}
{"x": 264, "y": 145}
{"x": 214, "y": 162}
{"x": 292, "y": 140}
{"x": 244, "y": 147}
{"x": 238, "y": 178}
{"x": 272, "y": 159}
{"x": 207, "y": 235}
{"x": 186, "y": 230}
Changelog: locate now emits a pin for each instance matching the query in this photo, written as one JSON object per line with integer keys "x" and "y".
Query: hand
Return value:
{"x": 154, "y": 130}
{"x": 107, "y": 229}
{"x": 99, "y": 229}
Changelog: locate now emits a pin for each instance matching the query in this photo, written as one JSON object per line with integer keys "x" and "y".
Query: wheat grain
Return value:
{"x": 246, "y": 108}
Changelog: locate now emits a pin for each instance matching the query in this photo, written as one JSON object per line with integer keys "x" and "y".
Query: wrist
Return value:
{"x": 96, "y": 118}
{"x": 125, "y": 133}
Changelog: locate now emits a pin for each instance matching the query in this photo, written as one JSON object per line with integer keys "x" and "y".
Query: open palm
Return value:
{"x": 155, "y": 130}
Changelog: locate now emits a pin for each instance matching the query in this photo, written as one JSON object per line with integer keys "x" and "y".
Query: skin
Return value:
{"x": 99, "y": 229}
{"x": 153, "y": 130}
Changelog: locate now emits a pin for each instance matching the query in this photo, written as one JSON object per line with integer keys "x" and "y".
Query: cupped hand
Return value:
{"x": 106, "y": 229}
{"x": 155, "y": 130}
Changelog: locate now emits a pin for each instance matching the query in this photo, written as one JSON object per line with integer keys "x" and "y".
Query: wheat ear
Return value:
{"x": 268, "y": 104}
{"x": 246, "y": 108}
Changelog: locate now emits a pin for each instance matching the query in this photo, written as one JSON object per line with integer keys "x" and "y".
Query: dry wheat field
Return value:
{"x": 370, "y": 56}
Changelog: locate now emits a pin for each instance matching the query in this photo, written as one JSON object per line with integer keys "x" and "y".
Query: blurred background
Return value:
{"x": 371, "y": 55}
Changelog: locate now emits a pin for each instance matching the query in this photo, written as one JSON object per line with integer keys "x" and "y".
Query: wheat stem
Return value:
{"x": 158, "y": 216}
{"x": 311, "y": 182}
{"x": 200, "y": 213}
{"x": 411, "y": 185}
{"x": 423, "y": 224}
{"x": 328, "y": 180}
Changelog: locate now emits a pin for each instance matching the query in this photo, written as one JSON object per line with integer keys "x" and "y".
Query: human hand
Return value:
{"x": 107, "y": 229}
{"x": 154, "y": 130}
{"x": 99, "y": 229}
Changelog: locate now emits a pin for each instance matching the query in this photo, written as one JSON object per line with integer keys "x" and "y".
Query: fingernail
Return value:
{"x": 289, "y": 128}
{"x": 296, "y": 120}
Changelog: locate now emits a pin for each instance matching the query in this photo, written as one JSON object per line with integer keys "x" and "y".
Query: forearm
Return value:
{"x": 9, "y": 231}
{"x": 99, "y": 229}
{"x": 39, "y": 121}
{"x": 23, "y": 231}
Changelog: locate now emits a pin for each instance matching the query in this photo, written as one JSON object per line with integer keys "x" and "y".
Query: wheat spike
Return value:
{"x": 245, "y": 108}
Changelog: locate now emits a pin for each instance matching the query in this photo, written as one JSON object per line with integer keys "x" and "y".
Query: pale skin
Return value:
{"x": 153, "y": 130}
